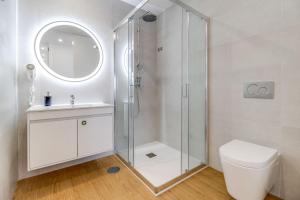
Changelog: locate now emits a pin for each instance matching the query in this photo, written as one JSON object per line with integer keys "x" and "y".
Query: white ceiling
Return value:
{"x": 132, "y": 2}
{"x": 155, "y": 6}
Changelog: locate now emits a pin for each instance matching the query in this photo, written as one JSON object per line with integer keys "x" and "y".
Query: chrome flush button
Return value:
{"x": 259, "y": 90}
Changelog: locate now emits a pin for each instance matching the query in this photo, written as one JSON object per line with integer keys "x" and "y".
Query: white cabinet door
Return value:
{"x": 52, "y": 142}
{"x": 95, "y": 135}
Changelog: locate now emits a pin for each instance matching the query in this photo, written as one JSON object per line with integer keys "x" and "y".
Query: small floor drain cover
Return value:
{"x": 113, "y": 170}
{"x": 151, "y": 155}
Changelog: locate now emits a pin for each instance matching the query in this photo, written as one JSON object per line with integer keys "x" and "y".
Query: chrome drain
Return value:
{"x": 151, "y": 155}
{"x": 113, "y": 170}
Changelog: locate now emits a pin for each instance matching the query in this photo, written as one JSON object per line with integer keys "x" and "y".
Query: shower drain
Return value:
{"x": 113, "y": 170}
{"x": 151, "y": 155}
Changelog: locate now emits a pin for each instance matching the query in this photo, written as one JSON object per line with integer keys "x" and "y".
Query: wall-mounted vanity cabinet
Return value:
{"x": 58, "y": 134}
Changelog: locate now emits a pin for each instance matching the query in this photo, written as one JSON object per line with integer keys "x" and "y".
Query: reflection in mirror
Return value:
{"x": 69, "y": 52}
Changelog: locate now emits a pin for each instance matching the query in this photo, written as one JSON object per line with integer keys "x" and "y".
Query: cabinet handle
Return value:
{"x": 83, "y": 123}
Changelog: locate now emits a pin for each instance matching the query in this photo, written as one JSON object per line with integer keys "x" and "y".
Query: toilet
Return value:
{"x": 250, "y": 170}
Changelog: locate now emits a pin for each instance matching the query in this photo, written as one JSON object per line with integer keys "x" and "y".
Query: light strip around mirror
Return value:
{"x": 41, "y": 61}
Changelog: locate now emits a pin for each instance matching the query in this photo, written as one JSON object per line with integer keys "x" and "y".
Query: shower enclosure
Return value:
{"x": 161, "y": 92}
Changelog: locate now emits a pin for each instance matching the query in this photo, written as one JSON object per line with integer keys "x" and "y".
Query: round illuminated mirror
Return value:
{"x": 68, "y": 51}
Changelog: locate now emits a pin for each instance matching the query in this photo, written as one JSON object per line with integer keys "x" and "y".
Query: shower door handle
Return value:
{"x": 185, "y": 92}
{"x": 131, "y": 92}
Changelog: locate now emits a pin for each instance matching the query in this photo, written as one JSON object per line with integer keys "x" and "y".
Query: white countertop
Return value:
{"x": 41, "y": 108}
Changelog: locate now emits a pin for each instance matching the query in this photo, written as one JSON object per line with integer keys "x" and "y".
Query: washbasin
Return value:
{"x": 68, "y": 106}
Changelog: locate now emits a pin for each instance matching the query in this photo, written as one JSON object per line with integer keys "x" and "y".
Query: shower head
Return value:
{"x": 149, "y": 17}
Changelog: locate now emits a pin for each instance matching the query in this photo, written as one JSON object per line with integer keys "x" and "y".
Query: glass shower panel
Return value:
{"x": 121, "y": 92}
{"x": 160, "y": 71}
{"x": 157, "y": 91}
{"x": 197, "y": 90}
{"x": 185, "y": 96}
{"x": 131, "y": 90}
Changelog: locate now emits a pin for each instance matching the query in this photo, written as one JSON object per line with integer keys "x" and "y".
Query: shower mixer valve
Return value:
{"x": 137, "y": 81}
{"x": 72, "y": 99}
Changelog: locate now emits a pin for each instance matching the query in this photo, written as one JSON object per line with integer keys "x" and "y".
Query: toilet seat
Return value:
{"x": 248, "y": 155}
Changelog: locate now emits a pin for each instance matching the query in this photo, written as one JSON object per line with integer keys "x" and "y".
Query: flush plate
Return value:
{"x": 259, "y": 90}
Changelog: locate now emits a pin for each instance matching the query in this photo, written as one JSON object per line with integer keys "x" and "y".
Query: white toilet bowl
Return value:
{"x": 250, "y": 170}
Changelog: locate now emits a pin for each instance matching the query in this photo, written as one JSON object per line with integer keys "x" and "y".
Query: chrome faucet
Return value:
{"x": 72, "y": 101}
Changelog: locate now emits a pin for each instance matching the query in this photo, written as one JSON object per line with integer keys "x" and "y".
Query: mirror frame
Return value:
{"x": 41, "y": 61}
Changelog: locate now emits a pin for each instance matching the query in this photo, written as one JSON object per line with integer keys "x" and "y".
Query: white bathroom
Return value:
{"x": 150, "y": 99}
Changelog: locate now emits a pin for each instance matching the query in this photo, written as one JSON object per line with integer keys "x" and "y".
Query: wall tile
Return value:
{"x": 290, "y": 150}
{"x": 8, "y": 106}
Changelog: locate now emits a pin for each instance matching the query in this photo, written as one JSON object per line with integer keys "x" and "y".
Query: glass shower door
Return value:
{"x": 122, "y": 92}
{"x": 197, "y": 90}
{"x": 131, "y": 90}
{"x": 194, "y": 92}
{"x": 160, "y": 73}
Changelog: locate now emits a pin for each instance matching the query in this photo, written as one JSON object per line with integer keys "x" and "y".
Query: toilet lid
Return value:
{"x": 247, "y": 154}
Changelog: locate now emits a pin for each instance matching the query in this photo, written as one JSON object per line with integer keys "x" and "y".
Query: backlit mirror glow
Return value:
{"x": 68, "y": 51}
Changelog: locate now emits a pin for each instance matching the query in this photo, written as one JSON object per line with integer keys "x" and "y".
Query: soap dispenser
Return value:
{"x": 47, "y": 99}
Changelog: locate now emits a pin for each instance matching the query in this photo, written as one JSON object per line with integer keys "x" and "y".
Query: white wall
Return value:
{"x": 8, "y": 106}
{"x": 257, "y": 40}
{"x": 98, "y": 16}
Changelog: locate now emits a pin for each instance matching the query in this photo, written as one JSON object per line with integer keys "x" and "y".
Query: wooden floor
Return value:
{"x": 90, "y": 181}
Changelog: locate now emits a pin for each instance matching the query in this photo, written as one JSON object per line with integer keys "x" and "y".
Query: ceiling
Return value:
{"x": 155, "y": 6}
